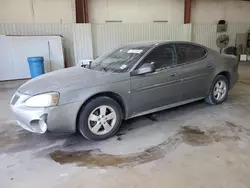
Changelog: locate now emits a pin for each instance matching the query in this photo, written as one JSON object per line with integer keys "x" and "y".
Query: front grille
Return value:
{"x": 15, "y": 99}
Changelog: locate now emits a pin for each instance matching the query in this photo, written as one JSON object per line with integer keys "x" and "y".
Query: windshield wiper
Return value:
{"x": 90, "y": 62}
{"x": 99, "y": 66}
{"x": 103, "y": 68}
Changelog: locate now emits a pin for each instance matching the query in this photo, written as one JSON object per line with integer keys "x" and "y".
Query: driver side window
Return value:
{"x": 162, "y": 56}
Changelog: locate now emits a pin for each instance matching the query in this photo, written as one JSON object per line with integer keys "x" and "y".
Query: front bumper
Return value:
{"x": 31, "y": 119}
{"x": 38, "y": 120}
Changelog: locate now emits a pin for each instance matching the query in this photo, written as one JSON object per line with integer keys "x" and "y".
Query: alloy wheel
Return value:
{"x": 220, "y": 90}
{"x": 102, "y": 120}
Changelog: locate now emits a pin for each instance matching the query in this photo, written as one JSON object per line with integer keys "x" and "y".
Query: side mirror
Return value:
{"x": 85, "y": 63}
{"x": 144, "y": 69}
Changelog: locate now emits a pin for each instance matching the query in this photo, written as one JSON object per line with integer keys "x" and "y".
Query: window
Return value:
{"x": 162, "y": 56}
{"x": 189, "y": 52}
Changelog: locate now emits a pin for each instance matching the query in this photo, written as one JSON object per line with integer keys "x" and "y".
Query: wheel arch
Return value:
{"x": 223, "y": 73}
{"x": 210, "y": 99}
{"x": 226, "y": 74}
{"x": 112, "y": 95}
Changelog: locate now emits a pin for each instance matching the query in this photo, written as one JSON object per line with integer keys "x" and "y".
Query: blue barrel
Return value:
{"x": 36, "y": 66}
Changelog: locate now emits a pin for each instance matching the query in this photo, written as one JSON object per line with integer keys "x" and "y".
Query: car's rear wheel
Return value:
{"x": 219, "y": 90}
{"x": 100, "y": 118}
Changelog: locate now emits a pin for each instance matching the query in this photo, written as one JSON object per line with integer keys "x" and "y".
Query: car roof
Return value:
{"x": 155, "y": 43}
{"x": 143, "y": 44}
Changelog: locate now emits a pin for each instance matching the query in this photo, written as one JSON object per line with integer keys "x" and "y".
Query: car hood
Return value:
{"x": 70, "y": 79}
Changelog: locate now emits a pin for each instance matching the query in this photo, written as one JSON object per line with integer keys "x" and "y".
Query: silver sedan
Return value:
{"x": 129, "y": 81}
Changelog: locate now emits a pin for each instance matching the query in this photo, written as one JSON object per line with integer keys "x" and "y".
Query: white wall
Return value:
{"x": 37, "y": 11}
{"x": 144, "y": 11}
{"x": 128, "y": 11}
{"x": 136, "y": 11}
{"x": 211, "y": 11}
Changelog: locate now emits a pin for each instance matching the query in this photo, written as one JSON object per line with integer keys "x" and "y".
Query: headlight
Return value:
{"x": 43, "y": 100}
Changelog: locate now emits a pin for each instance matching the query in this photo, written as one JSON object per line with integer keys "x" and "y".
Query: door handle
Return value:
{"x": 209, "y": 65}
{"x": 173, "y": 74}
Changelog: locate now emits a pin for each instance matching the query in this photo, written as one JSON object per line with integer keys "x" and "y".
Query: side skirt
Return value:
{"x": 166, "y": 107}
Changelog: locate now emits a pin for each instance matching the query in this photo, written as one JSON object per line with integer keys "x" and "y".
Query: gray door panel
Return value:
{"x": 156, "y": 89}
{"x": 196, "y": 70}
{"x": 196, "y": 78}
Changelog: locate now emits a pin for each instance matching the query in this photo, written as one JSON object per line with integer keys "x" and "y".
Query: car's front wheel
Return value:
{"x": 100, "y": 118}
{"x": 219, "y": 90}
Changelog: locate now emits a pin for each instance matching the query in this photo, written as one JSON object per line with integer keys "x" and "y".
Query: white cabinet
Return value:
{"x": 14, "y": 51}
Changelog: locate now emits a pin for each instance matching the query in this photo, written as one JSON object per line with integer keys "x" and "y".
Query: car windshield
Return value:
{"x": 121, "y": 59}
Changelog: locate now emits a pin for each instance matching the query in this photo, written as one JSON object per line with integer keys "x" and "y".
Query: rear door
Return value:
{"x": 196, "y": 71}
{"x": 160, "y": 88}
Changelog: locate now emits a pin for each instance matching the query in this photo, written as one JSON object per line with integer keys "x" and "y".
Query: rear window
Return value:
{"x": 189, "y": 52}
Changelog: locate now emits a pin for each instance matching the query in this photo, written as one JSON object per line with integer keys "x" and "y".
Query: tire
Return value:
{"x": 95, "y": 122}
{"x": 214, "y": 99}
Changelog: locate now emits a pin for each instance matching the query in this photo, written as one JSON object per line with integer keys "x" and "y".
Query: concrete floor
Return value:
{"x": 195, "y": 145}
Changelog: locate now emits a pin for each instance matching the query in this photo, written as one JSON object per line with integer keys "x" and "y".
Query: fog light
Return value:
{"x": 43, "y": 126}
{"x": 39, "y": 126}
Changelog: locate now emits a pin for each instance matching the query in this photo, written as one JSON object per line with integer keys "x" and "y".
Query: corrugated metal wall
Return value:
{"x": 76, "y": 38}
{"x": 82, "y": 40}
{"x": 108, "y": 36}
{"x": 64, "y": 30}
{"x": 85, "y": 41}
{"x": 206, "y": 34}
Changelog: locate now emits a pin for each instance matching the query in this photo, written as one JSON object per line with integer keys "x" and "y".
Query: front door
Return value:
{"x": 160, "y": 88}
{"x": 196, "y": 71}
